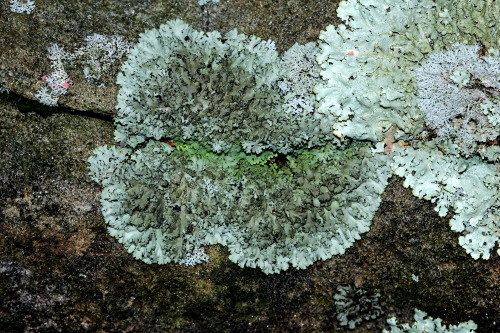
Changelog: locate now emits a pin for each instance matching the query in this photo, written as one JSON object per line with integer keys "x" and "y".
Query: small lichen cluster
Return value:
{"x": 4, "y": 90}
{"x": 196, "y": 257}
{"x": 355, "y": 305}
{"x": 96, "y": 58}
{"x": 22, "y": 6}
{"x": 204, "y": 2}
{"x": 98, "y": 54}
{"x": 429, "y": 325}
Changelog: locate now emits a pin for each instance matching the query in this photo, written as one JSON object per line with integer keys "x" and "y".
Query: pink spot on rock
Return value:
{"x": 351, "y": 53}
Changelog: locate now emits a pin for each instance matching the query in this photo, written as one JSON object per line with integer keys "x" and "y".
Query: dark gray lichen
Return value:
{"x": 355, "y": 305}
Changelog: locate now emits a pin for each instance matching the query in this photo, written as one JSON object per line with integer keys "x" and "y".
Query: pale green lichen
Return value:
{"x": 459, "y": 96}
{"x": 429, "y": 325}
{"x": 257, "y": 165}
{"x": 233, "y": 107}
{"x": 226, "y": 92}
{"x": 369, "y": 63}
{"x": 355, "y": 305}
{"x": 371, "y": 91}
{"x": 22, "y": 6}
{"x": 162, "y": 203}
{"x": 471, "y": 188}
{"x": 204, "y": 2}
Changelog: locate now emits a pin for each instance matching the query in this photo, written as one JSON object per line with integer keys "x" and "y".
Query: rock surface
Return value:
{"x": 60, "y": 271}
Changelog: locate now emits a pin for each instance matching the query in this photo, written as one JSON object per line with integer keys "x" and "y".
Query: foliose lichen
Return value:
{"x": 459, "y": 95}
{"x": 228, "y": 92}
{"x": 205, "y": 121}
{"x": 204, "y": 2}
{"x": 163, "y": 202}
{"x": 194, "y": 258}
{"x": 22, "y": 6}
{"x": 369, "y": 65}
{"x": 384, "y": 74}
{"x": 221, "y": 142}
{"x": 471, "y": 188}
{"x": 96, "y": 57}
{"x": 98, "y": 54}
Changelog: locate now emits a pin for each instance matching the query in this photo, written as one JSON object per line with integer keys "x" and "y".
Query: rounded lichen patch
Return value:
{"x": 228, "y": 92}
{"x": 221, "y": 143}
{"x": 163, "y": 202}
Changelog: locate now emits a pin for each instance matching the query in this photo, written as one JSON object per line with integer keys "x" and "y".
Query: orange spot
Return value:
{"x": 170, "y": 143}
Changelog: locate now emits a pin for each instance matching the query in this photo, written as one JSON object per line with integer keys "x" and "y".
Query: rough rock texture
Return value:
{"x": 60, "y": 271}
